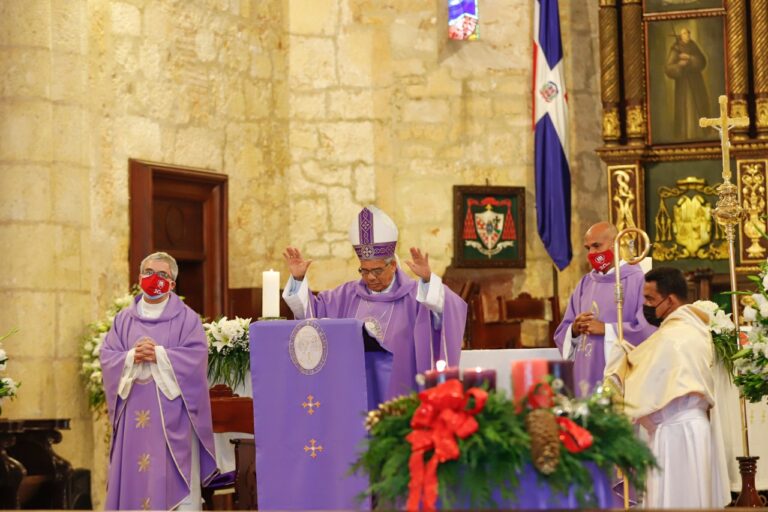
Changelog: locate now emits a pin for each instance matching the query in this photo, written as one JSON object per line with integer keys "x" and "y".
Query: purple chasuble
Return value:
{"x": 150, "y": 457}
{"x": 596, "y": 293}
{"x": 403, "y": 326}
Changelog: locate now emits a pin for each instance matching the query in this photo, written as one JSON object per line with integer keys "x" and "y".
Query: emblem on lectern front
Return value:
{"x": 308, "y": 347}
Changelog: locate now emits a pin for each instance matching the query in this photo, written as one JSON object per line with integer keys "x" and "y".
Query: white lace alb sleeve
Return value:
{"x": 163, "y": 374}
{"x": 432, "y": 295}
{"x": 569, "y": 345}
{"x": 130, "y": 370}
{"x": 611, "y": 348}
{"x": 296, "y": 295}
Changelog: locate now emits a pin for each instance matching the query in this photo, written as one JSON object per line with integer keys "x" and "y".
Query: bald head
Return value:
{"x": 602, "y": 230}
{"x": 599, "y": 237}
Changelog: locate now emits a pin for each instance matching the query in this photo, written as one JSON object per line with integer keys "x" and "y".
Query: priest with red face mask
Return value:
{"x": 154, "y": 362}
{"x": 588, "y": 330}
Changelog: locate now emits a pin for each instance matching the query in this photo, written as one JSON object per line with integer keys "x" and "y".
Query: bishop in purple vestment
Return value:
{"x": 154, "y": 363}
{"x": 588, "y": 330}
{"x": 416, "y": 322}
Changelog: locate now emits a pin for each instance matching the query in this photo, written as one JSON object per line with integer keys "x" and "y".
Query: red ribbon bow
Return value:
{"x": 574, "y": 437}
{"x": 441, "y": 417}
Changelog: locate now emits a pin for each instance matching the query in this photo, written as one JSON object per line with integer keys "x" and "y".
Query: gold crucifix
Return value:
{"x": 723, "y": 125}
{"x": 729, "y": 213}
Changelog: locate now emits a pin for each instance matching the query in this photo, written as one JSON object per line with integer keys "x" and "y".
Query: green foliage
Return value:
{"x": 751, "y": 362}
{"x": 230, "y": 369}
{"x": 229, "y": 357}
{"x": 90, "y": 347}
{"x": 493, "y": 457}
{"x": 726, "y": 346}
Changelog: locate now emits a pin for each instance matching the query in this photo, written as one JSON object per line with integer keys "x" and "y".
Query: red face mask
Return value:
{"x": 601, "y": 261}
{"x": 155, "y": 286}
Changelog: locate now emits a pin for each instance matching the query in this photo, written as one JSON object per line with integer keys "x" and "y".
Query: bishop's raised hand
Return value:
{"x": 296, "y": 264}
{"x": 419, "y": 264}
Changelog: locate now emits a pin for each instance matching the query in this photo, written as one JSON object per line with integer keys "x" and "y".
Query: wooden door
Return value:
{"x": 183, "y": 212}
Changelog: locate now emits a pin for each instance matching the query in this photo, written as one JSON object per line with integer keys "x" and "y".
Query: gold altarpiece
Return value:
{"x": 663, "y": 65}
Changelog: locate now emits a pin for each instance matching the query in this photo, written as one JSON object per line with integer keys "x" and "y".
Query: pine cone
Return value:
{"x": 545, "y": 440}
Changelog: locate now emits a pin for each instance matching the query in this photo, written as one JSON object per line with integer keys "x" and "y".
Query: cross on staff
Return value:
{"x": 729, "y": 213}
{"x": 723, "y": 125}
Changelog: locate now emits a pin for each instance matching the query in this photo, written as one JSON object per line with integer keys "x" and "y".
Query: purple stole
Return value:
{"x": 402, "y": 325}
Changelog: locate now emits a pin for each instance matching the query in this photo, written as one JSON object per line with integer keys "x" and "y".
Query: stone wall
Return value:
{"x": 85, "y": 86}
{"x": 385, "y": 109}
{"x": 313, "y": 108}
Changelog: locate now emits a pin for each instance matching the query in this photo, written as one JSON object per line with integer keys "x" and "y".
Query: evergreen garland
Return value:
{"x": 492, "y": 458}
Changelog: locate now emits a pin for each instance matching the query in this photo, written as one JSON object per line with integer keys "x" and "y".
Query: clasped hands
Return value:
{"x": 145, "y": 351}
{"x": 585, "y": 323}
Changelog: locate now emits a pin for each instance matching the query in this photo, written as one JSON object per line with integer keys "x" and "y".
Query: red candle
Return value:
{"x": 440, "y": 374}
{"x": 479, "y": 377}
{"x": 526, "y": 374}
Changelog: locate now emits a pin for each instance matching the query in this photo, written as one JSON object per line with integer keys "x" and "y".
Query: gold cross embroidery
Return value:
{"x": 142, "y": 418}
{"x": 145, "y": 504}
{"x": 310, "y": 404}
{"x": 314, "y": 448}
{"x": 143, "y": 462}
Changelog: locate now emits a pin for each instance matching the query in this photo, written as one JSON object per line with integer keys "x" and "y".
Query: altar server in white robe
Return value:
{"x": 668, "y": 387}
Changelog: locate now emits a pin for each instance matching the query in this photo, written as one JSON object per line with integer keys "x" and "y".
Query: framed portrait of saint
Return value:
{"x": 488, "y": 226}
{"x": 656, "y": 6}
{"x": 686, "y": 74}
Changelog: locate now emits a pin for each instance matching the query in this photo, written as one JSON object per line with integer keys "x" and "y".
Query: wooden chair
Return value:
{"x": 494, "y": 334}
{"x": 524, "y": 307}
{"x": 481, "y": 334}
{"x": 232, "y": 413}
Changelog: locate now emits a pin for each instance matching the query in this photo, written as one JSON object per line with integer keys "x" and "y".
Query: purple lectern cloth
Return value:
{"x": 596, "y": 292}
{"x": 289, "y": 478}
{"x": 150, "y": 456}
{"x": 407, "y": 329}
{"x": 532, "y": 494}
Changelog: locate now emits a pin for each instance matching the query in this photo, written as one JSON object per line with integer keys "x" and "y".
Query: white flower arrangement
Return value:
{"x": 90, "y": 366}
{"x": 229, "y": 358}
{"x": 8, "y": 387}
{"x": 723, "y": 333}
{"x": 751, "y": 362}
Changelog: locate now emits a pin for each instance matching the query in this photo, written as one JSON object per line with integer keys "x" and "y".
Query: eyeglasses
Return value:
{"x": 148, "y": 272}
{"x": 375, "y": 271}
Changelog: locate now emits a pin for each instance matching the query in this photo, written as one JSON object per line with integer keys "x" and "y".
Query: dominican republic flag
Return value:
{"x": 550, "y": 124}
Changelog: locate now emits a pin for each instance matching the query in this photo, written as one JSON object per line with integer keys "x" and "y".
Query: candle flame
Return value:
{"x": 440, "y": 365}
{"x": 478, "y": 369}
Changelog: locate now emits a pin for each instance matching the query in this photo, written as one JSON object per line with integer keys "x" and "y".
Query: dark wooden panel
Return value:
{"x": 184, "y": 212}
{"x": 190, "y": 284}
{"x": 246, "y": 303}
{"x": 177, "y": 225}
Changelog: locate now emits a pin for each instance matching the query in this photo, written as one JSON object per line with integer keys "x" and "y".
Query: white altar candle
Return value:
{"x": 270, "y": 294}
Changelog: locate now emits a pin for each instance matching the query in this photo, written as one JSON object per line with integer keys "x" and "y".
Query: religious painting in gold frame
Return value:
{"x": 657, "y": 6}
{"x": 752, "y": 183}
{"x": 686, "y": 72}
{"x": 488, "y": 226}
{"x": 680, "y": 200}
